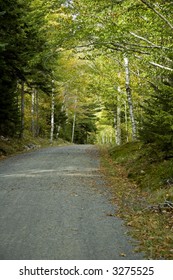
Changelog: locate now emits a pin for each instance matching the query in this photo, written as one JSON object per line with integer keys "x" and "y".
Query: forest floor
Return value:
{"x": 143, "y": 190}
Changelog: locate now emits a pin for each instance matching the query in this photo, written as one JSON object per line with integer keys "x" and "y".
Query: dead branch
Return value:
{"x": 165, "y": 206}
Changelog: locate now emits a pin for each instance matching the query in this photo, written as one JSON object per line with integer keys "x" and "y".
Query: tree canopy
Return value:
{"x": 103, "y": 67}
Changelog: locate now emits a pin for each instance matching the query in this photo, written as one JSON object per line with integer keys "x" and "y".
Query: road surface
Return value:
{"x": 54, "y": 205}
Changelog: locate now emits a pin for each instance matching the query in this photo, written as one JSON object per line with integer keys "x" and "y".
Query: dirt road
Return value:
{"x": 54, "y": 204}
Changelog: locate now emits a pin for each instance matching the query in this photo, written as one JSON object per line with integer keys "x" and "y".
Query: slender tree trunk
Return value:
{"x": 73, "y": 127}
{"x": 22, "y": 109}
{"x": 118, "y": 136}
{"x": 37, "y": 113}
{"x": 126, "y": 121}
{"x": 115, "y": 125}
{"x": 33, "y": 112}
{"x": 58, "y": 131}
{"x": 129, "y": 97}
{"x": 74, "y": 122}
{"x": 62, "y": 110}
{"x": 52, "y": 113}
{"x": 117, "y": 120}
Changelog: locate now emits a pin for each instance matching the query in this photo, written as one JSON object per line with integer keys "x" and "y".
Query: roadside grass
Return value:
{"x": 10, "y": 146}
{"x": 142, "y": 187}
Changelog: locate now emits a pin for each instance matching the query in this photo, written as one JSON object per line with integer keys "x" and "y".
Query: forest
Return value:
{"x": 87, "y": 71}
{"x": 97, "y": 72}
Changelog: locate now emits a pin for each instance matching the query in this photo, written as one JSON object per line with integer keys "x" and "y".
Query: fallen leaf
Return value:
{"x": 110, "y": 215}
{"x": 130, "y": 224}
{"x": 123, "y": 255}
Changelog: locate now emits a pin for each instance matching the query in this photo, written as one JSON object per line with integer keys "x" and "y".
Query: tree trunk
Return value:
{"x": 22, "y": 109}
{"x": 126, "y": 121}
{"x": 117, "y": 119}
{"x": 73, "y": 128}
{"x": 52, "y": 113}
{"x": 74, "y": 122}
{"x": 33, "y": 112}
{"x": 129, "y": 97}
{"x": 118, "y": 134}
{"x": 37, "y": 113}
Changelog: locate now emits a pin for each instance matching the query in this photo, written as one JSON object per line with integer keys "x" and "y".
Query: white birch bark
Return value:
{"x": 22, "y": 109}
{"x": 160, "y": 66}
{"x": 126, "y": 120}
{"x": 74, "y": 121}
{"x": 33, "y": 112}
{"x": 129, "y": 97}
{"x": 118, "y": 126}
{"x": 37, "y": 113}
{"x": 52, "y": 112}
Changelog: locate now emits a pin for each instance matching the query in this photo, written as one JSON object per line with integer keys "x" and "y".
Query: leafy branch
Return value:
{"x": 148, "y": 41}
{"x": 150, "y": 6}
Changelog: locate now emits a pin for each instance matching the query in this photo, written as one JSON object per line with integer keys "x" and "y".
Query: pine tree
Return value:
{"x": 9, "y": 72}
{"x": 20, "y": 45}
{"x": 157, "y": 126}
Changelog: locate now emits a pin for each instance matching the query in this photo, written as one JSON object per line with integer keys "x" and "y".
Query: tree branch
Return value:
{"x": 160, "y": 66}
{"x": 127, "y": 48}
{"x": 157, "y": 12}
{"x": 148, "y": 41}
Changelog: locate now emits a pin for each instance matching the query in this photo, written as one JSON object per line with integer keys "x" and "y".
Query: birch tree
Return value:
{"x": 52, "y": 112}
{"x": 33, "y": 112}
{"x": 129, "y": 97}
{"x": 22, "y": 109}
{"x": 74, "y": 120}
{"x": 118, "y": 118}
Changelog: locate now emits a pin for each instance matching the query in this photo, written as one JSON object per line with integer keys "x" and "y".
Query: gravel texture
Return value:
{"x": 54, "y": 205}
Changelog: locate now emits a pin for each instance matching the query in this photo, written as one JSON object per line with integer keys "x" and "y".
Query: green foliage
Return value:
{"x": 157, "y": 127}
{"x": 84, "y": 126}
{"x": 9, "y": 114}
{"x": 85, "y": 130}
{"x": 80, "y": 45}
{"x": 19, "y": 43}
{"x": 11, "y": 37}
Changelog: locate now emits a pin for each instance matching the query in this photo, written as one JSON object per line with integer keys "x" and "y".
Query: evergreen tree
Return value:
{"x": 11, "y": 34}
{"x": 85, "y": 127}
{"x": 13, "y": 40}
{"x": 157, "y": 127}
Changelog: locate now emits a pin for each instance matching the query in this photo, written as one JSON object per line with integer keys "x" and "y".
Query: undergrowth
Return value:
{"x": 142, "y": 184}
{"x": 10, "y": 146}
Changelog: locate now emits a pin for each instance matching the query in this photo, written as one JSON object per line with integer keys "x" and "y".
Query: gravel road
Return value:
{"x": 54, "y": 205}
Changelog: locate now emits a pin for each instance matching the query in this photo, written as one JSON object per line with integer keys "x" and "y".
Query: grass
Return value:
{"x": 141, "y": 185}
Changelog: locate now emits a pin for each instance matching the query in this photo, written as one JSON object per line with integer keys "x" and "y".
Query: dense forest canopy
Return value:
{"x": 87, "y": 71}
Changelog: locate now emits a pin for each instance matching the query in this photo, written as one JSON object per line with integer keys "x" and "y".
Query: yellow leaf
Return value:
{"x": 130, "y": 224}
{"x": 123, "y": 255}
